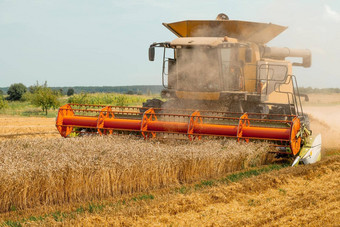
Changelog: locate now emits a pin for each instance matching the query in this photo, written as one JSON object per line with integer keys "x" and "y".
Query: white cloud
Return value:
{"x": 332, "y": 14}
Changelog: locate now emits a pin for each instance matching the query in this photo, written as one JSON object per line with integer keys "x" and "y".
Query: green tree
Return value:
{"x": 34, "y": 87}
{"x": 15, "y": 91}
{"x": 70, "y": 92}
{"x": 81, "y": 98}
{"x": 26, "y": 97}
{"x": 45, "y": 98}
{"x": 130, "y": 92}
{"x": 3, "y": 102}
{"x": 61, "y": 91}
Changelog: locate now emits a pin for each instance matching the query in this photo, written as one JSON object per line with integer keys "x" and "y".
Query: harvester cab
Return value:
{"x": 220, "y": 80}
{"x": 225, "y": 65}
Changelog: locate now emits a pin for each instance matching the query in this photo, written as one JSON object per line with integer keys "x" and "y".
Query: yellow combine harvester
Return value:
{"x": 221, "y": 80}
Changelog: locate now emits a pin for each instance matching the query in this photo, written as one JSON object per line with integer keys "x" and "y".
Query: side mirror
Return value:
{"x": 305, "y": 96}
{"x": 151, "y": 53}
{"x": 249, "y": 55}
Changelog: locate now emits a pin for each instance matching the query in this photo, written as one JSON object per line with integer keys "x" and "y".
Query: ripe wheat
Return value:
{"x": 37, "y": 172}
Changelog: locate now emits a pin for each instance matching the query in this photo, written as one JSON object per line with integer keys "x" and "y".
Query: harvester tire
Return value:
{"x": 152, "y": 103}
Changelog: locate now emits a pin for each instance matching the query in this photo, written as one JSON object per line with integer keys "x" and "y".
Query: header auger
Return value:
{"x": 220, "y": 80}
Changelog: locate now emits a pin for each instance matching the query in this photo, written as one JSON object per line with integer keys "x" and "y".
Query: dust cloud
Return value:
{"x": 198, "y": 69}
{"x": 213, "y": 30}
{"x": 325, "y": 120}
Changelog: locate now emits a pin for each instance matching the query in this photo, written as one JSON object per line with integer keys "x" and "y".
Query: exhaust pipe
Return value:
{"x": 282, "y": 52}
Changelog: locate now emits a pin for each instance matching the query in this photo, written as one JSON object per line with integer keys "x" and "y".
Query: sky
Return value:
{"x": 105, "y": 42}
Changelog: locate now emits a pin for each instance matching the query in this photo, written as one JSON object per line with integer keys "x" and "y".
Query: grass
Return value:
{"x": 203, "y": 184}
{"x": 24, "y": 108}
{"x": 58, "y": 216}
{"x": 95, "y": 208}
{"x": 110, "y": 99}
{"x": 182, "y": 190}
{"x": 235, "y": 177}
{"x": 11, "y": 223}
{"x": 91, "y": 208}
{"x": 250, "y": 173}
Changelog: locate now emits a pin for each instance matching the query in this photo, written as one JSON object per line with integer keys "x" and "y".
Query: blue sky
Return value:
{"x": 105, "y": 42}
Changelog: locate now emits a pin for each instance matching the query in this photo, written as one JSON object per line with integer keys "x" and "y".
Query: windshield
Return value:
{"x": 198, "y": 69}
{"x": 208, "y": 69}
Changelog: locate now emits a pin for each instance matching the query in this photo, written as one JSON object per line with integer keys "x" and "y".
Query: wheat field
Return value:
{"x": 13, "y": 127}
{"x": 83, "y": 181}
{"x": 35, "y": 172}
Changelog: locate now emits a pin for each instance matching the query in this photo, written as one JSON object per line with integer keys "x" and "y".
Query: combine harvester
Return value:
{"x": 220, "y": 80}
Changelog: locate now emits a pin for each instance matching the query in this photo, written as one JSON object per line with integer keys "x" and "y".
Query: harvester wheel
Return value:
{"x": 278, "y": 110}
{"x": 254, "y": 107}
{"x": 151, "y": 103}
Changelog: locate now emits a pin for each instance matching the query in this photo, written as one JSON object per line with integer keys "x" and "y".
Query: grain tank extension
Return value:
{"x": 220, "y": 80}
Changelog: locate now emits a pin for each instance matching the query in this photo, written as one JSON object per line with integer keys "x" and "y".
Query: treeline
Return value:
{"x": 310, "y": 90}
{"x": 138, "y": 89}
{"x": 152, "y": 89}
{"x": 41, "y": 95}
